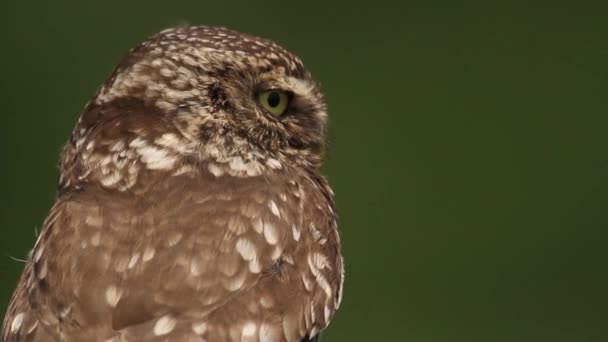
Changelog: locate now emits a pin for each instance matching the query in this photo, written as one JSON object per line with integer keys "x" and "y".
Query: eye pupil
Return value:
{"x": 274, "y": 99}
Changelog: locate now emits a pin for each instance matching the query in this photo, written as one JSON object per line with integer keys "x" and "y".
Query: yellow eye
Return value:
{"x": 274, "y": 101}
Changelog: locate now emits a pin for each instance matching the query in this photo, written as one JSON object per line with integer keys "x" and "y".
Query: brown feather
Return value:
{"x": 185, "y": 212}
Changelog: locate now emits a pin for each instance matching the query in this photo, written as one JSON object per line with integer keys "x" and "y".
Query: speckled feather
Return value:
{"x": 185, "y": 212}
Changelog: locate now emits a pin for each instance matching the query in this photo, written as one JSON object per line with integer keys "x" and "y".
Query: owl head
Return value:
{"x": 193, "y": 97}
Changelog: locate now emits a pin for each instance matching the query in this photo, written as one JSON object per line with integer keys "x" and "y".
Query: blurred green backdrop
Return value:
{"x": 468, "y": 149}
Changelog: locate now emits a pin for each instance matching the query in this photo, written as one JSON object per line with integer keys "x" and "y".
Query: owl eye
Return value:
{"x": 274, "y": 101}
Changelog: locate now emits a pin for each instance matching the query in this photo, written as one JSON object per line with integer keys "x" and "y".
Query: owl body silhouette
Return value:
{"x": 190, "y": 205}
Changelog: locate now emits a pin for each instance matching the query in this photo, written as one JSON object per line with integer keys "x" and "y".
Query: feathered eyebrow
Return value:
{"x": 301, "y": 87}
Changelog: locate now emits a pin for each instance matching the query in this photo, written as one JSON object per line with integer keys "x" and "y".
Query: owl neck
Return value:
{"x": 133, "y": 163}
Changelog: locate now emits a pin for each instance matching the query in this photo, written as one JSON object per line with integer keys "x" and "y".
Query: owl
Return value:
{"x": 190, "y": 205}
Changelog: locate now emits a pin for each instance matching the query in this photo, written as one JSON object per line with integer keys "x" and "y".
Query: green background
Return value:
{"x": 468, "y": 149}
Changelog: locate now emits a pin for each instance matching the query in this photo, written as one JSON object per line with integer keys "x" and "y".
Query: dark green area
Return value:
{"x": 468, "y": 149}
